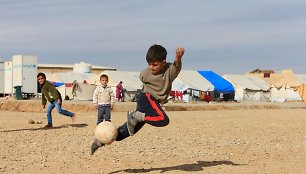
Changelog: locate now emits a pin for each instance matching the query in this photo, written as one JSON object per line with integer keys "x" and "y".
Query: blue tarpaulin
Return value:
{"x": 57, "y": 84}
{"x": 220, "y": 84}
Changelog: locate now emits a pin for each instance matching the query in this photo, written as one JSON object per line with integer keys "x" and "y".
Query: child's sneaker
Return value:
{"x": 94, "y": 146}
{"x": 73, "y": 118}
{"x": 49, "y": 125}
{"x": 131, "y": 122}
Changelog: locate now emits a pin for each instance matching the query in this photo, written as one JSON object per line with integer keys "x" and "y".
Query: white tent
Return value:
{"x": 83, "y": 91}
{"x": 249, "y": 87}
{"x": 130, "y": 82}
{"x": 290, "y": 86}
{"x": 193, "y": 82}
{"x": 189, "y": 79}
{"x": 69, "y": 77}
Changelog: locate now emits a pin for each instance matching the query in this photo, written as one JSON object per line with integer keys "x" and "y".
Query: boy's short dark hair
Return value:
{"x": 103, "y": 76}
{"x": 156, "y": 53}
{"x": 42, "y": 75}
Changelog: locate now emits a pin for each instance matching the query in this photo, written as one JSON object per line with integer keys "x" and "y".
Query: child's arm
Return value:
{"x": 44, "y": 100}
{"x": 178, "y": 57}
{"x": 95, "y": 97}
{"x": 112, "y": 96}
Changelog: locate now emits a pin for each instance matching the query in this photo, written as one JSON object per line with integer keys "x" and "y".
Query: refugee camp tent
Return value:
{"x": 189, "y": 79}
{"x": 192, "y": 84}
{"x": 292, "y": 86}
{"x": 84, "y": 91}
{"x": 223, "y": 89}
{"x": 69, "y": 77}
{"x": 284, "y": 86}
{"x": 249, "y": 87}
{"x": 131, "y": 82}
{"x": 219, "y": 83}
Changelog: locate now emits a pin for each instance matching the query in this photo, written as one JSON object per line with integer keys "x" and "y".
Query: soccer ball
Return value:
{"x": 106, "y": 132}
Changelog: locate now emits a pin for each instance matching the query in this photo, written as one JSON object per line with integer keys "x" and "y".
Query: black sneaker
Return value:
{"x": 49, "y": 125}
{"x": 94, "y": 146}
{"x": 131, "y": 122}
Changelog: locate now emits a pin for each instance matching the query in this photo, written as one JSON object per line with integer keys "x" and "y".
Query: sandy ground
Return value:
{"x": 225, "y": 138}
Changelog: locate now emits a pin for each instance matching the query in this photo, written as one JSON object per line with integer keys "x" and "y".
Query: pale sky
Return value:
{"x": 224, "y": 36}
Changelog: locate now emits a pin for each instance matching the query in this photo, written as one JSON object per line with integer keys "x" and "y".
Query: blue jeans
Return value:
{"x": 103, "y": 113}
{"x": 58, "y": 109}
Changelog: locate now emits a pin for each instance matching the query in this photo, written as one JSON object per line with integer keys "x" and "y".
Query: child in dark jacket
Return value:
{"x": 51, "y": 94}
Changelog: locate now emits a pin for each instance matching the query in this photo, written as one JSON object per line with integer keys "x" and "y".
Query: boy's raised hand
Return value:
{"x": 179, "y": 53}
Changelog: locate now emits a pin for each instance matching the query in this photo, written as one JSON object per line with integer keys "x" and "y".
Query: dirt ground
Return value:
{"x": 201, "y": 138}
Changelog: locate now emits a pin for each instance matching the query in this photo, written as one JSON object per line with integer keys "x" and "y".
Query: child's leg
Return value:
{"x": 148, "y": 111}
{"x": 49, "y": 112}
{"x": 100, "y": 114}
{"x": 107, "y": 113}
{"x": 124, "y": 133}
{"x": 62, "y": 111}
{"x": 152, "y": 111}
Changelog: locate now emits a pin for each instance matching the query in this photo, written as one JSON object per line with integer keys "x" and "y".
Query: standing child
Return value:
{"x": 103, "y": 99}
{"x": 51, "y": 94}
{"x": 157, "y": 81}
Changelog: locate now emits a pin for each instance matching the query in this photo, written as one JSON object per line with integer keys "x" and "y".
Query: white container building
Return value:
{"x": 25, "y": 72}
{"x": 8, "y": 77}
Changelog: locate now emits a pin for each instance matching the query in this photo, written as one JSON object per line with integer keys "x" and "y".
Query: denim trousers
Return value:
{"x": 59, "y": 109}
{"x": 103, "y": 113}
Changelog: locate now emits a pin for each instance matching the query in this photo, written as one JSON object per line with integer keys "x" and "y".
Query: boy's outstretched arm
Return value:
{"x": 178, "y": 57}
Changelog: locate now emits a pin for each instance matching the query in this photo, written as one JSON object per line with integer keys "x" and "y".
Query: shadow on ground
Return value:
{"x": 43, "y": 128}
{"x": 184, "y": 167}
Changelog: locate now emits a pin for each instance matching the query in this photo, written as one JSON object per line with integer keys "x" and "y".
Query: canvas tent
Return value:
{"x": 189, "y": 79}
{"x": 131, "y": 82}
{"x": 291, "y": 86}
{"x": 249, "y": 87}
{"x": 223, "y": 89}
{"x": 69, "y": 77}
{"x": 284, "y": 86}
{"x": 192, "y": 82}
{"x": 219, "y": 83}
{"x": 83, "y": 91}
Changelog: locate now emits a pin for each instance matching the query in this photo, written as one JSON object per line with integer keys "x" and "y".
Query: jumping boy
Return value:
{"x": 103, "y": 99}
{"x": 51, "y": 94}
{"x": 157, "y": 81}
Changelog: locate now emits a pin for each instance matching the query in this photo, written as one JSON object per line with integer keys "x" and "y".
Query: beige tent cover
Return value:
{"x": 285, "y": 78}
